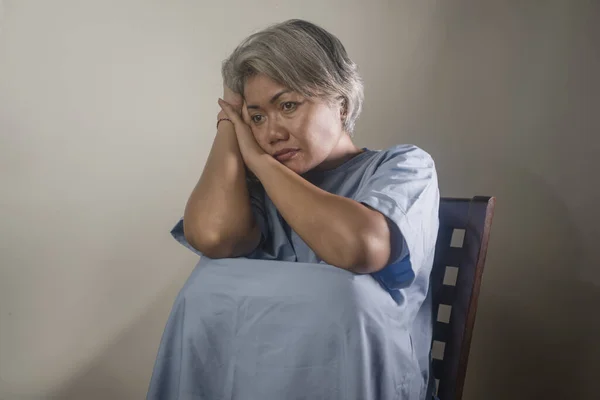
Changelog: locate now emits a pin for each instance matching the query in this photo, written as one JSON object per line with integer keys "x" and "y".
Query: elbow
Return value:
{"x": 212, "y": 246}
{"x": 218, "y": 245}
{"x": 365, "y": 262}
{"x": 371, "y": 253}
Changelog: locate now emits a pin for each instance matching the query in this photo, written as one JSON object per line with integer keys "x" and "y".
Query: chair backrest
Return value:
{"x": 456, "y": 276}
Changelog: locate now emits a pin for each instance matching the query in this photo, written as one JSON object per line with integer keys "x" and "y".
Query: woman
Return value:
{"x": 284, "y": 182}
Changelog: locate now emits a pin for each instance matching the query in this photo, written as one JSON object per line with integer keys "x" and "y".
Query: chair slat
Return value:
{"x": 454, "y": 212}
{"x": 441, "y": 331}
{"x": 475, "y": 217}
{"x": 438, "y": 369}
{"x": 446, "y": 295}
{"x": 453, "y": 256}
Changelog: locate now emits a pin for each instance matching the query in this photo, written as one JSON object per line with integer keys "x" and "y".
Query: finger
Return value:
{"x": 245, "y": 113}
{"x": 229, "y": 110}
{"x": 225, "y": 106}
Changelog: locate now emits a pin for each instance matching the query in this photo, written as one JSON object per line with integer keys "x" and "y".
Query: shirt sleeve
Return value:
{"x": 256, "y": 193}
{"x": 404, "y": 188}
{"x": 178, "y": 234}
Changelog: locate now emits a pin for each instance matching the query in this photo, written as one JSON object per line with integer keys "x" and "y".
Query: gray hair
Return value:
{"x": 303, "y": 57}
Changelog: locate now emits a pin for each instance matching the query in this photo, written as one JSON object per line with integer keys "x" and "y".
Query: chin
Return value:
{"x": 297, "y": 169}
{"x": 298, "y": 165}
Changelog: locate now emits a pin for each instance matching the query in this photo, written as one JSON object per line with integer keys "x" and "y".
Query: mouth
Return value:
{"x": 285, "y": 154}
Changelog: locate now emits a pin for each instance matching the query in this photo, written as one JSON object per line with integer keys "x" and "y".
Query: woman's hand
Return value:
{"x": 249, "y": 147}
{"x": 235, "y": 99}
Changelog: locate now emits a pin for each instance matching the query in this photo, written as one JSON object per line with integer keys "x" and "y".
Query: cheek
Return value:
{"x": 322, "y": 132}
{"x": 259, "y": 136}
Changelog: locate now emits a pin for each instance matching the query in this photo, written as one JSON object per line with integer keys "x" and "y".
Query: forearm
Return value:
{"x": 341, "y": 231}
{"x": 218, "y": 218}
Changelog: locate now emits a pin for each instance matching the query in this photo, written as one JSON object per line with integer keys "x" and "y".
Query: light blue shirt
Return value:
{"x": 401, "y": 183}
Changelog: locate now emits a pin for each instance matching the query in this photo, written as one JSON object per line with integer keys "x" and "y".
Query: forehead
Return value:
{"x": 260, "y": 88}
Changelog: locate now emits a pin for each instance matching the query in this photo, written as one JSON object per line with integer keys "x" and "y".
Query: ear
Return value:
{"x": 343, "y": 109}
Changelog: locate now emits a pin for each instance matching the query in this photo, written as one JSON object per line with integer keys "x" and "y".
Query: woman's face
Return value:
{"x": 301, "y": 133}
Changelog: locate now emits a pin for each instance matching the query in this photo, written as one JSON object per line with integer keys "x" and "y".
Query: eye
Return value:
{"x": 289, "y": 106}
{"x": 257, "y": 118}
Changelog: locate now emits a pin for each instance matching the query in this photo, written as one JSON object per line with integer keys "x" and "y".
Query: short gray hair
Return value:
{"x": 303, "y": 57}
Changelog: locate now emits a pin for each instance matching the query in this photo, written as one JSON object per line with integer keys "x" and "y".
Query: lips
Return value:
{"x": 285, "y": 154}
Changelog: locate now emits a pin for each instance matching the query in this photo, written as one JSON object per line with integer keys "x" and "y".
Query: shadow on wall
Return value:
{"x": 115, "y": 374}
{"x": 536, "y": 328}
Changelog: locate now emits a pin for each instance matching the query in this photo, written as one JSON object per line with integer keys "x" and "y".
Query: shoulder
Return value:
{"x": 406, "y": 160}
{"x": 403, "y": 185}
{"x": 406, "y": 153}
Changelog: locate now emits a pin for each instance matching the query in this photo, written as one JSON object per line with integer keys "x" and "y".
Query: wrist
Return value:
{"x": 259, "y": 163}
{"x": 237, "y": 108}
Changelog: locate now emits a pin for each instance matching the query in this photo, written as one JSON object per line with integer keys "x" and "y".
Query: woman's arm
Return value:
{"x": 341, "y": 231}
{"x": 218, "y": 220}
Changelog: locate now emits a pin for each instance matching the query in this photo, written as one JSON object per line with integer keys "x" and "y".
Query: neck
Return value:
{"x": 342, "y": 152}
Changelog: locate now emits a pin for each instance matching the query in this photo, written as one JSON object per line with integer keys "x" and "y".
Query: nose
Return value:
{"x": 276, "y": 132}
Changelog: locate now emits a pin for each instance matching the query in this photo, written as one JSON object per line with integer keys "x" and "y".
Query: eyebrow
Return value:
{"x": 273, "y": 99}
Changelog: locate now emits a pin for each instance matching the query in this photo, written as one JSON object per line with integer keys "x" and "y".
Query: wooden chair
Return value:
{"x": 455, "y": 280}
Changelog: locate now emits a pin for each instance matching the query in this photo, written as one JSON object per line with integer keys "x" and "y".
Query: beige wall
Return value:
{"x": 106, "y": 116}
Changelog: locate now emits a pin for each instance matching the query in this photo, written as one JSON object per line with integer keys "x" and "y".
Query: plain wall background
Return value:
{"x": 107, "y": 112}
